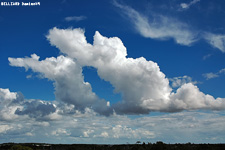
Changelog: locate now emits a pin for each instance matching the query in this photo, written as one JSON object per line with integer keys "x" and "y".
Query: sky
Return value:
{"x": 112, "y": 72}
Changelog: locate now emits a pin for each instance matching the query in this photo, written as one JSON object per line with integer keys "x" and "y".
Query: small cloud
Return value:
{"x": 184, "y": 5}
{"x": 179, "y": 81}
{"x": 222, "y": 71}
{"x": 206, "y": 56}
{"x": 29, "y": 76}
{"x": 75, "y": 18}
{"x": 214, "y": 75}
{"x": 210, "y": 75}
{"x": 187, "y": 5}
{"x": 216, "y": 40}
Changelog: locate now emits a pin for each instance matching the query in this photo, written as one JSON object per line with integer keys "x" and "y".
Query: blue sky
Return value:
{"x": 112, "y": 71}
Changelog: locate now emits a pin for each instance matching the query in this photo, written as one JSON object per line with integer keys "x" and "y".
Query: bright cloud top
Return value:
{"x": 143, "y": 86}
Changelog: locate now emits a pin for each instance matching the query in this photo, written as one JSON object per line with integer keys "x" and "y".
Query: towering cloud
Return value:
{"x": 137, "y": 79}
{"x": 143, "y": 86}
{"x": 68, "y": 80}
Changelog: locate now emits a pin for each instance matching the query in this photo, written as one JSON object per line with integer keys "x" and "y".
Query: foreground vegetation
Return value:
{"x": 149, "y": 146}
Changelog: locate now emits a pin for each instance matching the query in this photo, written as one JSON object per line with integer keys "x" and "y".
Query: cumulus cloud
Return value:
{"x": 13, "y": 104}
{"x": 75, "y": 18}
{"x": 159, "y": 26}
{"x": 189, "y": 97}
{"x": 180, "y": 127}
{"x": 179, "y": 81}
{"x": 187, "y": 5}
{"x": 36, "y": 108}
{"x": 144, "y": 88}
{"x": 9, "y": 104}
{"x": 108, "y": 56}
{"x": 26, "y": 126}
{"x": 69, "y": 83}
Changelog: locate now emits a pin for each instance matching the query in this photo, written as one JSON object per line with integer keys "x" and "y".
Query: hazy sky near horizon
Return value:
{"x": 112, "y": 71}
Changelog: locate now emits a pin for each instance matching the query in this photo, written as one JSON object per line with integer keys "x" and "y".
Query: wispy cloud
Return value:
{"x": 159, "y": 26}
{"x": 75, "y": 18}
{"x": 162, "y": 27}
{"x": 188, "y": 5}
{"x": 214, "y": 75}
{"x": 215, "y": 40}
{"x": 206, "y": 56}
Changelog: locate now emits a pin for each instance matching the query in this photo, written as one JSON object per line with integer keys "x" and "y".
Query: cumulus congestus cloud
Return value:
{"x": 67, "y": 78}
{"x": 143, "y": 86}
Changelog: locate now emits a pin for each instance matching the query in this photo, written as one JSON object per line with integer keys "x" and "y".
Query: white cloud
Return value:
{"x": 108, "y": 56}
{"x": 207, "y": 56}
{"x": 164, "y": 27}
{"x": 75, "y": 18}
{"x": 4, "y": 128}
{"x": 179, "y": 81}
{"x": 187, "y": 5}
{"x": 210, "y": 75}
{"x": 143, "y": 86}
{"x": 89, "y": 127}
{"x": 69, "y": 83}
{"x": 189, "y": 97}
{"x": 160, "y": 27}
{"x": 216, "y": 40}
{"x": 214, "y": 75}
{"x": 9, "y": 104}
{"x": 222, "y": 71}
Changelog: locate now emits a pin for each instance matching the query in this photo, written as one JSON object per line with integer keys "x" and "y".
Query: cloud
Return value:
{"x": 163, "y": 27}
{"x": 14, "y": 105}
{"x": 75, "y": 18}
{"x": 68, "y": 79}
{"x": 214, "y": 75}
{"x": 8, "y": 104}
{"x": 108, "y": 55}
{"x": 189, "y": 97}
{"x": 159, "y": 27}
{"x": 210, "y": 75}
{"x": 187, "y": 5}
{"x": 89, "y": 127}
{"x": 179, "y": 81}
{"x": 143, "y": 86}
{"x": 36, "y": 108}
{"x": 206, "y": 56}
{"x": 216, "y": 40}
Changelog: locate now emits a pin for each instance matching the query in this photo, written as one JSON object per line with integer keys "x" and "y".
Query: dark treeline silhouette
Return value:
{"x": 138, "y": 146}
